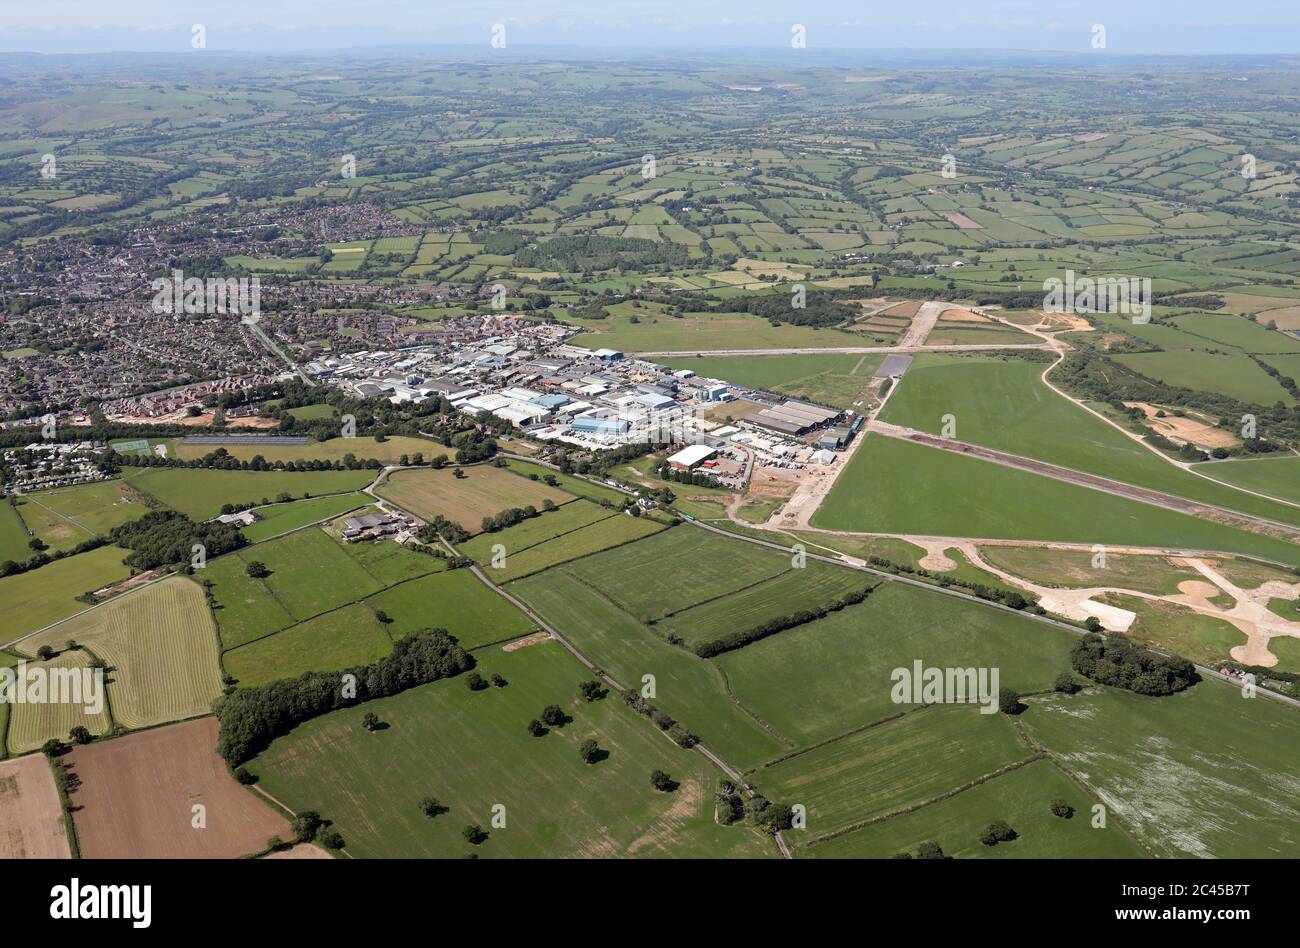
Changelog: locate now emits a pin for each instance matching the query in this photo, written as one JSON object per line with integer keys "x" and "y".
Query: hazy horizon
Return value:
{"x": 1159, "y": 27}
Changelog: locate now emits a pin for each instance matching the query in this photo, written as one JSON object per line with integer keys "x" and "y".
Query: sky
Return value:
{"x": 1162, "y": 27}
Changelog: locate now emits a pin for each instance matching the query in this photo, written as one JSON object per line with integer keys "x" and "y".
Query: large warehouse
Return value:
{"x": 690, "y": 457}
{"x": 794, "y": 418}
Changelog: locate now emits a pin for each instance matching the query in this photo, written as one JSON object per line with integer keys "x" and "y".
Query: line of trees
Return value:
{"x": 742, "y": 637}
{"x": 249, "y": 718}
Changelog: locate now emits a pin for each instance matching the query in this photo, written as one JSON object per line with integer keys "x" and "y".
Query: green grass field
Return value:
{"x": 388, "y": 451}
{"x": 456, "y": 601}
{"x": 36, "y": 598}
{"x": 471, "y": 751}
{"x": 1002, "y": 404}
{"x": 13, "y": 535}
{"x": 1276, "y": 476}
{"x": 344, "y": 638}
{"x": 787, "y": 593}
{"x": 96, "y": 507}
{"x": 690, "y": 565}
{"x": 550, "y": 525}
{"x": 946, "y": 494}
{"x": 904, "y": 762}
{"x": 309, "y": 574}
{"x": 820, "y": 680}
{"x": 604, "y": 534}
{"x": 1021, "y": 797}
{"x": 281, "y": 518}
{"x": 689, "y": 688}
{"x": 160, "y": 644}
{"x": 200, "y": 493}
{"x": 1203, "y": 772}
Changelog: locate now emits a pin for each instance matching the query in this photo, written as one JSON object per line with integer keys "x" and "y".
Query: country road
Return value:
{"x": 1142, "y": 494}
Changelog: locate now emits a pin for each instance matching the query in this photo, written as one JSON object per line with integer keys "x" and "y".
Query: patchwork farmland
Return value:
{"x": 655, "y": 457}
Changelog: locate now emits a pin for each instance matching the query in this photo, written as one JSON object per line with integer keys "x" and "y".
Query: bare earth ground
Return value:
{"x": 1199, "y": 431}
{"x": 138, "y": 792}
{"x": 301, "y": 851}
{"x": 31, "y": 817}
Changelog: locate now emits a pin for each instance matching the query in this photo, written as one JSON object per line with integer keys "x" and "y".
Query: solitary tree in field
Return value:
{"x": 80, "y": 735}
{"x": 257, "y": 569}
{"x": 474, "y": 834}
{"x": 535, "y": 728}
{"x": 1062, "y": 809}
{"x": 498, "y": 681}
{"x": 553, "y": 715}
{"x": 474, "y": 681}
{"x": 661, "y": 781}
{"x": 45, "y": 653}
{"x": 370, "y": 721}
{"x": 588, "y": 751}
{"x": 430, "y": 807}
{"x": 997, "y": 832}
{"x": 929, "y": 850}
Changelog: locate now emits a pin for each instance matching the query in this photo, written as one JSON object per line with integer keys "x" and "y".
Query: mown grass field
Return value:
{"x": 548, "y": 526}
{"x": 471, "y": 751}
{"x": 604, "y": 534}
{"x": 484, "y": 491}
{"x": 160, "y": 645}
{"x": 13, "y": 535}
{"x": 200, "y": 494}
{"x": 788, "y": 593}
{"x": 820, "y": 680}
{"x": 454, "y": 600}
{"x": 689, "y": 688}
{"x": 97, "y": 507}
{"x": 36, "y": 598}
{"x": 946, "y": 494}
{"x": 690, "y": 565}
{"x": 908, "y": 761}
{"x": 1203, "y": 772}
{"x": 31, "y": 725}
{"x": 1003, "y": 404}
{"x": 1021, "y": 797}
{"x": 343, "y": 638}
{"x": 695, "y": 331}
{"x": 57, "y": 532}
{"x": 389, "y": 451}
{"x": 1277, "y": 476}
{"x": 309, "y": 574}
{"x": 389, "y": 562}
